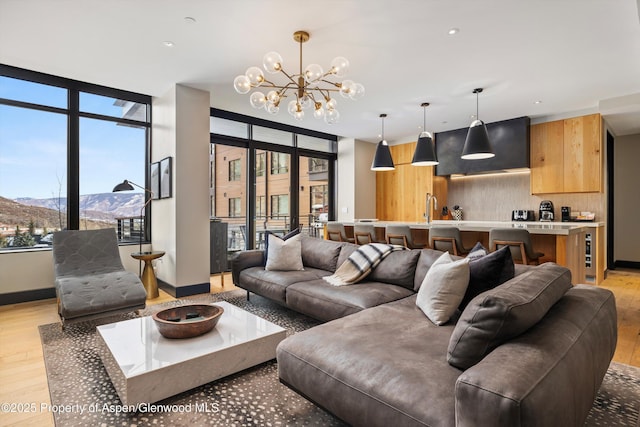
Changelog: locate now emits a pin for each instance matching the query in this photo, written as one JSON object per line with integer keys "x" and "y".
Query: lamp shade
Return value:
{"x": 382, "y": 160}
{"x": 477, "y": 145}
{"x": 425, "y": 153}
{"x": 123, "y": 186}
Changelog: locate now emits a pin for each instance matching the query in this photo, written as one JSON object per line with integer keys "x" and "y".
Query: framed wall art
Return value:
{"x": 155, "y": 180}
{"x": 165, "y": 178}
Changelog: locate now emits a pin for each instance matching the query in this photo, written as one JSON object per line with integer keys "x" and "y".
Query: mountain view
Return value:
{"x": 96, "y": 210}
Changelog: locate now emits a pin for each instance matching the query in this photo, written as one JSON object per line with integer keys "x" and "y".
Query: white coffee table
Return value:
{"x": 145, "y": 367}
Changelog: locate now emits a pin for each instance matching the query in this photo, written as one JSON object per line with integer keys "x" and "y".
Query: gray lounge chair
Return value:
{"x": 90, "y": 280}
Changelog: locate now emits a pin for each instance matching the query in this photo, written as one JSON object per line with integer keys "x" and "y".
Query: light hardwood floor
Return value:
{"x": 23, "y": 376}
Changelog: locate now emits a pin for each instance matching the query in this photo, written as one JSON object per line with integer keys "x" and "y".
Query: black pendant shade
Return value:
{"x": 382, "y": 160}
{"x": 477, "y": 145}
{"x": 425, "y": 153}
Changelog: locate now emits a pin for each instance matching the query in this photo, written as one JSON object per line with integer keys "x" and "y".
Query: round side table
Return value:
{"x": 148, "y": 276}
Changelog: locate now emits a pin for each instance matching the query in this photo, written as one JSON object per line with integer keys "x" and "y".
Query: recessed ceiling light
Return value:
{"x": 538, "y": 102}
{"x": 189, "y": 20}
{"x": 168, "y": 43}
{"x": 453, "y": 31}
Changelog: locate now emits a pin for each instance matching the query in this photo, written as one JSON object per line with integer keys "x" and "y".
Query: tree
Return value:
{"x": 32, "y": 227}
{"x": 23, "y": 239}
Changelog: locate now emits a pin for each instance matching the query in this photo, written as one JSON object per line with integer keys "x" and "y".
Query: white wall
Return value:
{"x": 180, "y": 224}
{"x": 356, "y": 195}
{"x": 626, "y": 201}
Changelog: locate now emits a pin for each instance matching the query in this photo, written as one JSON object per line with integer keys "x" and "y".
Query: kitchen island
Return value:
{"x": 578, "y": 246}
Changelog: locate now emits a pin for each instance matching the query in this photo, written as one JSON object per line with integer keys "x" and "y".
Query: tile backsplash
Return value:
{"x": 493, "y": 197}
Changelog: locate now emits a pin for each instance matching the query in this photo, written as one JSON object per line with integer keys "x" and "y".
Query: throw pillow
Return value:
{"x": 505, "y": 312}
{"x": 487, "y": 272}
{"x": 284, "y": 255}
{"x": 443, "y": 288}
{"x": 478, "y": 251}
{"x": 285, "y": 237}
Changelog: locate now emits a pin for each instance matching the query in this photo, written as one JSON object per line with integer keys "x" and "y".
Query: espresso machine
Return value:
{"x": 546, "y": 210}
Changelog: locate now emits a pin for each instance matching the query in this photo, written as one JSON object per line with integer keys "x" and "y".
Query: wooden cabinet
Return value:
{"x": 401, "y": 193}
{"x": 566, "y": 156}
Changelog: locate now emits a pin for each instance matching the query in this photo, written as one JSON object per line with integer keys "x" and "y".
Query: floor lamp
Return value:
{"x": 128, "y": 186}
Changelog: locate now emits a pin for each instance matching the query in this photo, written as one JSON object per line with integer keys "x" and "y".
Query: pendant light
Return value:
{"x": 477, "y": 145}
{"x": 425, "y": 154}
{"x": 382, "y": 160}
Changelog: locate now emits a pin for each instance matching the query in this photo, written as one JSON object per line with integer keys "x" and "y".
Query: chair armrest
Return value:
{"x": 243, "y": 260}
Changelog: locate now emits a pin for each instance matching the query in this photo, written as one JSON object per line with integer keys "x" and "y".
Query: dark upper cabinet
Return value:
{"x": 509, "y": 141}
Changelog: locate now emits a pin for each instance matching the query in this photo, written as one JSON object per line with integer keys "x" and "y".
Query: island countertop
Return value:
{"x": 534, "y": 227}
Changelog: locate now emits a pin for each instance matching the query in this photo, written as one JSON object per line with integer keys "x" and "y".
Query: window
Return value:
{"x": 260, "y": 163}
{"x": 279, "y": 163}
{"x": 279, "y": 206}
{"x": 318, "y": 165}
{"x": 261, "y": 207}
{"x": 48, "y": 121}
{"x": 275, "y": 159}
{"x": 319, "y": 198}
{"x": 235, "y": 207}
{"x": 234, "y": 170}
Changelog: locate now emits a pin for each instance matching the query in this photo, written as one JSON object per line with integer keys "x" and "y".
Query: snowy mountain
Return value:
{"x": 103, "y": 206}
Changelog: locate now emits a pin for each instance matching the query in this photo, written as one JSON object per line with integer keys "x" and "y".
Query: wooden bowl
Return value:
{"x": 187, "y": 321}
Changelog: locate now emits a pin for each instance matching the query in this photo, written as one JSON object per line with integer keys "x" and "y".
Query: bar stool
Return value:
{"x": 364, "y": 233}
{"x": 519, "y": 242}
{"x": 336, "y": 232}
{"x": 401, "y": 235}
{"x": 447, "y": 239}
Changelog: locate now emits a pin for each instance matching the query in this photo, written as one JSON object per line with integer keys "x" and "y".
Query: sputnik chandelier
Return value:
{"x": 311, "y": 86}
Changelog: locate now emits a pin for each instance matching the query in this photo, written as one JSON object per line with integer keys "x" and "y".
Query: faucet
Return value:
{"x": 435, "y": 206}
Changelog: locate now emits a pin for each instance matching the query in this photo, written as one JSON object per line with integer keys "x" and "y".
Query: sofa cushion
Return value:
{"x": 425, "y": 261}
{"x": 320, "y": 253}
{"x": 506, "y": 311}
{"x": 325, "y": 302}
{"x": 487, "y": 272}
{"x": 273, "y": 284}
{"x": 284, "y": 255}
{"x": 384, "y": 366}
{"x": 397, "y": 268}
{"x": 443, "y": 288}
{"x": 345, "y": 251}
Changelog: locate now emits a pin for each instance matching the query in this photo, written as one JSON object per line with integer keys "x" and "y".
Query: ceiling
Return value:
{"x": 575, "y": 56}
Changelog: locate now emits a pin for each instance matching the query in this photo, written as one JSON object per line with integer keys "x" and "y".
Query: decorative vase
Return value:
{"x": 457, "y": 214}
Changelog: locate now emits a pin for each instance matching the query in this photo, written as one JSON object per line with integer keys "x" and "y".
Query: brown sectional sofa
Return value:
{"x": 532, "y": 351}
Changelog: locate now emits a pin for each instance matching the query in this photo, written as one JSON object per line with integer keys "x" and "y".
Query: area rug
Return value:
{"x": 82, "y": 393}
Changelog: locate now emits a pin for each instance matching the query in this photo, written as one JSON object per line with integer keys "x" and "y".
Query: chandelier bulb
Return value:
{"x": 242, "y": 84}
{"x": 257, "y": 99}
{"x": 339, "y": 66}
{"x": 255, "y": 76}
{"x": 272, "y": 62}
{"x": 331, "y": 116}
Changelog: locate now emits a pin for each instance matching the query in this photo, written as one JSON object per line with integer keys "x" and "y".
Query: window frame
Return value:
{"x": 296, "y": 153}
{"x": 74, "y": 114}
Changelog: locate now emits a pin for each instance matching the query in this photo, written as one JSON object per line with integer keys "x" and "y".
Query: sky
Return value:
{"x": 33, "y": 144}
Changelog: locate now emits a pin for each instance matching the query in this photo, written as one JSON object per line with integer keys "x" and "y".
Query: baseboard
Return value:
{"x": 26, "y": 296}
{"x": 626, "y": 264}
{"x": 184, "y": 291}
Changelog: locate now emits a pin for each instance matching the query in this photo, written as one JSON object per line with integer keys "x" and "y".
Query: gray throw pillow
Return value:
{"x": 443, "y": 288}
{"x": 505, "y": 312}
{"x": 478, "y": 251}
{"x": 285, "y": 237}
{"x": 487, "y": 272}
{"x": 284, "y": 255}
